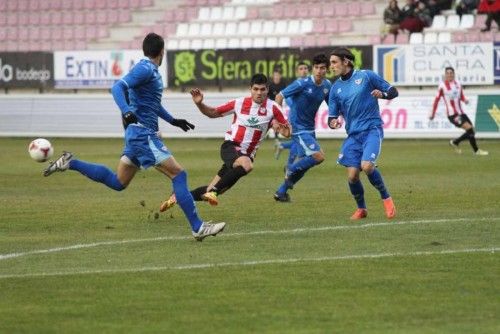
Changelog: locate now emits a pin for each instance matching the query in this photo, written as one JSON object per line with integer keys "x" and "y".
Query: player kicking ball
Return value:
{"x": 143, "y": 147}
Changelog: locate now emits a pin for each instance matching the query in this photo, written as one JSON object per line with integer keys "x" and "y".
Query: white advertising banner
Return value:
{"x": 405, "y": 116}
{"x": 95, "y": 69}
{"x": 424, "y": 64}
{"x": 94, "y": 115}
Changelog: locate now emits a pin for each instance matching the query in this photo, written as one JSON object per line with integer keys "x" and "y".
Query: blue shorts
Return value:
{"x": 362, "y": 146}
{"x": 143, "y": 147}
{"x": 305, "y": 144}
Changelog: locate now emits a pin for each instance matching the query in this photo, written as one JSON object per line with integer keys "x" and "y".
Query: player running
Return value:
{"x": 450, "y": 90}
{"x": 143, "y": 87}
{"x": 306, "y": 96}
{"x": 354, "y": 96}
{"x": 252, "y": 117}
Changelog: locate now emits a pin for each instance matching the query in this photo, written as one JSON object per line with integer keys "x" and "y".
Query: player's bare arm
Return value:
{"x": 197, "y": 97}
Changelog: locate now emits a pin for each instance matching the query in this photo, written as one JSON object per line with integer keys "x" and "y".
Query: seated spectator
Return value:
{"x": 423, "y": 14}
{"x": 492, "y": 10}
{"x": 433, "y": 7}
{"x": 392, "y": 18}
{"x": 410, "y": 20}
{"x": 466, "y": 7}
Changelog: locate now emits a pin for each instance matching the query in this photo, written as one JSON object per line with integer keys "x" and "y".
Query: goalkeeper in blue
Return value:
{"x": 138, "y": 95}
{"x": 306, "y": 95}
{"x": 354, "y": 97}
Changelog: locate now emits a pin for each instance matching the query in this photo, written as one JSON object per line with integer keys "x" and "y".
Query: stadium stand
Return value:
{"x": 40, "y": 25}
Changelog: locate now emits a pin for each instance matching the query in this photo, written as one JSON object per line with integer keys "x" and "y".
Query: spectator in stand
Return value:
{"x": 392, "y": 18}
{"x": 277, "y": 84}
{"x": 410, "y": 20}
{"x": 466, "y": 7}
{"x": 492, "y": 10}
{"x": 433, "y": 7}
{"x": 423, "y": 14}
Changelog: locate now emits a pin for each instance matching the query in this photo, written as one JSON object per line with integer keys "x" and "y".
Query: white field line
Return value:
{"x": 253, "y": 263}
{"x": 289, "y": 231}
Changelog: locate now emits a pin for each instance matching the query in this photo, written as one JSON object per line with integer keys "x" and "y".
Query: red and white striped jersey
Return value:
{"x": 250, "y": 122}
{"x": 453, "y": 95}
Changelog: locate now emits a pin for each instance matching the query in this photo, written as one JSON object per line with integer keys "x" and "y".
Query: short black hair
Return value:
{"x": 300, "y": 63}
{"x": 152, "y": 45}
{"x": 259, "y": 79}
{"x": 344, "y": 53}
{"x": 449, "y": 68}
{"x": 320, "y": 58}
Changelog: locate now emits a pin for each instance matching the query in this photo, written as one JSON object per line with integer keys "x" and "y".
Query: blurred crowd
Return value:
{"x": 415, "y": 15}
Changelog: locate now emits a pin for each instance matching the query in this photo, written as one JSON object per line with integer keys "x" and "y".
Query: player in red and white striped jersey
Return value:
{"x": 450, "y": 90}
{"x": 252, "y": 117}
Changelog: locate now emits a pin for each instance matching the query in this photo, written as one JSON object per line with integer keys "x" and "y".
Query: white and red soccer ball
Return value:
{"x": 40, "y": 150}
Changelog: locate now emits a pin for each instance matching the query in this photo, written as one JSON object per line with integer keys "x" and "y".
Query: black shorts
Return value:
{"x": 459, "y": 120}
{"x": 229, "y": 152}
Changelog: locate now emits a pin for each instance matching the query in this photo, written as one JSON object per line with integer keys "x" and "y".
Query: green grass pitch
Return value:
{"x": 76, "y": 257}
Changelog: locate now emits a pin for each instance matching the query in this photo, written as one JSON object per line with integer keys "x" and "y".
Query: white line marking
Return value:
{"x": 296, "y": 230}
{"x": 254, "y": 263}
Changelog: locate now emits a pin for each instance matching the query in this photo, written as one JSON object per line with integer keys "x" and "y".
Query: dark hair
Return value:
{"x": 300, "y": 63}
{"x": 343, "y": 53}
{"x": 320, "y": 59}
{"x": 259, "y": 79}
{"x": 152, "y": 45}
{"x": 449, "y": 68}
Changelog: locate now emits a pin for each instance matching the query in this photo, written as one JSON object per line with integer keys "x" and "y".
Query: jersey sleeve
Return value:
{"x": 377, "y": 81}
{"x": 227, "y": 108}
{"x": 292, "y": 89}
{"x": 333, "y": 109}
{"x": 278, "y": 114}
{"x": 436, "y": 100}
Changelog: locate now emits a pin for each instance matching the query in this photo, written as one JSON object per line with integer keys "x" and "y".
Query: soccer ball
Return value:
{"x": 40, "y": 150}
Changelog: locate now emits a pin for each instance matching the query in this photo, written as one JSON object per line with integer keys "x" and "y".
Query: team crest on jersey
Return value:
{"x": 358, "y": 81}
{"x": 310, "y": 90}
{"x": 339, "y": 90}
{"x": 325, "y": 91}
{"x": 262, "y": 111}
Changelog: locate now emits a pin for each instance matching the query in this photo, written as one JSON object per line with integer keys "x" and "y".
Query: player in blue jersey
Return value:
{"x": 354, "y": 96}
{"x": 306, "y": 96}
{"x": 138, "y": 95}
{"x": 302, "y": 71}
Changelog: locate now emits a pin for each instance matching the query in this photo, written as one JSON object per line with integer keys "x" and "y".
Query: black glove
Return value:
{"x": 128, "y": 118}
{"x": 182, "y": 123}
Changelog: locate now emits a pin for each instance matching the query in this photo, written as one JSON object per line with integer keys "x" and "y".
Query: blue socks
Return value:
{"x": 295, "y": 172}
{"x": 185, "y": 200}
{"x": 98, "y": 173}
{"x": 358, "y": 193}
{"x": 378, "y": 182}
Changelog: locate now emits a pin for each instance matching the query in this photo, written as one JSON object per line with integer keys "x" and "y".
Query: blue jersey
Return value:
{"x": 306, "y": 97}
{"x": 144, "y": 87}
{"x": 352, "y": 99}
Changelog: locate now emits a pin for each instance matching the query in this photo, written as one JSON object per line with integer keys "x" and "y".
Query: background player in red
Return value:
{"x": 253, "y": 115}
{"x": 450, "y": 90}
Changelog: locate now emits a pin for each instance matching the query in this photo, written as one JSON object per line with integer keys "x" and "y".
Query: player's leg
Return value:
{"x": 158, "y": 155}
{"x": 307, "y": 146}
{"x": 471, "y": 135}
{"x": 371, "y": 151}
{"x": 96, "y": 172}
{"x": 357, "y": 192}
{"x": 235, "y": 167}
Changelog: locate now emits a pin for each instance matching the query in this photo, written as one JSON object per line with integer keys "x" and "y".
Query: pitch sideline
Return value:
{"x": 296, "y": 230}
{"x": 256, "y": 263}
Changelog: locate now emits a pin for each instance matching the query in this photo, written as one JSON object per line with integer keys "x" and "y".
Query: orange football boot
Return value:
{"x": 359, "y": 214}
{"x": 390, "y": 209}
